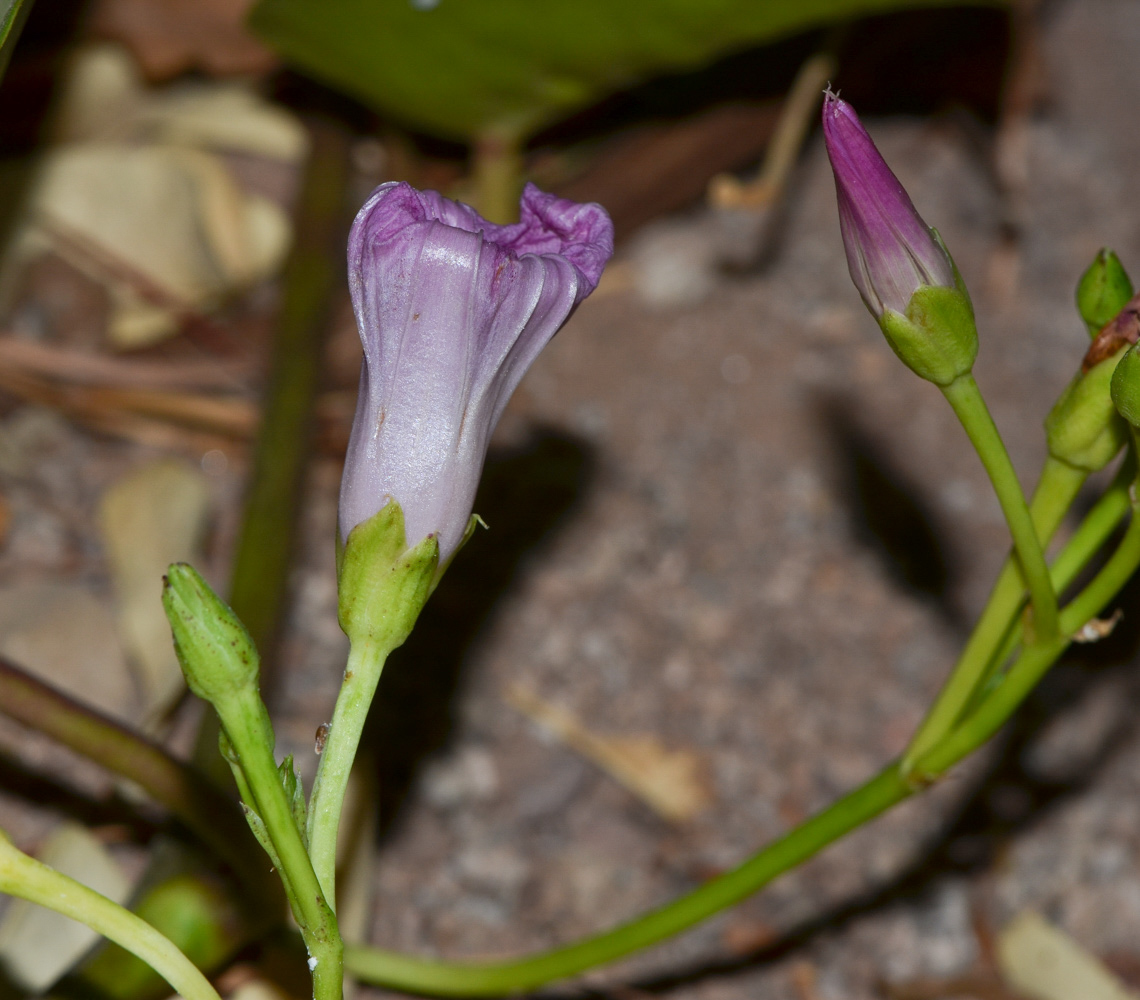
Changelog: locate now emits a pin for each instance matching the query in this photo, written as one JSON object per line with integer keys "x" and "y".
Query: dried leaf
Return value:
{"x": 1044, "y": 963}
{"x": 169, "y": 37}
{"x": 229, "y": 116}
{"x": 150, "y": 519}
{"x": 165, "y": 228}
{"x": 64, "y": 635}
{"x": 668, "y": 781}
{"x": 37, "y": 945}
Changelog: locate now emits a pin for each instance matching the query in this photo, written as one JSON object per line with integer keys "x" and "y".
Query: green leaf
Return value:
{"x": 13, "y": 14}
{"x": 463, "y": 68}
{"x": 295, "y": 793}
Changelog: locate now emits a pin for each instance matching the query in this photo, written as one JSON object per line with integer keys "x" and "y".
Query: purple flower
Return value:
{"x": 891, "y": 252}
{"x": 452, "y": 310}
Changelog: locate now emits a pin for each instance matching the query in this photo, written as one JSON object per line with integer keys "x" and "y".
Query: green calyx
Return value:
{"x": 217, "y": 655}
{"x": 1126, "y": 387}
{"x": 937, "y": 339}
{"x": 1084, "y": 429}
{"x": 1104, "y": 289}
{"x": 382, "y": 585}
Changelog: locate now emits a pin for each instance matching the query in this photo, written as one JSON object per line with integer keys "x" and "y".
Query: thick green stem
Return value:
{"x": 365, "y": 664}
{"x": 966, "y": 399}
{"x": 32, "y": 880}
{"x": 246, "y": 724}
{"x": 1055, "y": 493}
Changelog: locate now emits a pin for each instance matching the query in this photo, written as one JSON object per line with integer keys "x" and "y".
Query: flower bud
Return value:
{"x": 216, "y": 652}
{"x": 900, "y": 266}
{"x": 1083, "y": 429}
{"x": 1104, "y": 289}
{"x": 1126, "y": 387}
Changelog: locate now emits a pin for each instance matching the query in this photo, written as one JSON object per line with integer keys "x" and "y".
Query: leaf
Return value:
{"x": 13, "y": 14}
{"x": 1042, "y": 962}
{"x": 261, "y": 832}
{"x": 295, "y": 793}
{"x": 462, "y": 68}
{"x": 167, "y": 228}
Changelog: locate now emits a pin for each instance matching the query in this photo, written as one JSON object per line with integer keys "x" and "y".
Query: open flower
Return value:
{"x": 452, "y": 310}
{"x": 891, "y": 252}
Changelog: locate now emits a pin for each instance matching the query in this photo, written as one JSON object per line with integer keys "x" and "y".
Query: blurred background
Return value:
{"x": 734, "y": 546}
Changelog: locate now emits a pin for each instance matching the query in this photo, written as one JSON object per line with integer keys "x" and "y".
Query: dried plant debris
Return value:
{"x": 668, "y": 781}
{"x": 153, "y": 517}
{"x": 64, "y": 635}
{"x": 1041, "y": 962}
{"x": 136, "y": 197}
{"x": 173, "y": 36}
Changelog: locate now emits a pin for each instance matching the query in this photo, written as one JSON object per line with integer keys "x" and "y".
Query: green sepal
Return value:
{"x": 217, "y": 655}
{"x": 937, "y": 339}
{"x": 473, "y": 522}
{"x": 226, "y": 749}
{"x": 261, "y": 832}
{"x": 1104, "y": 289}
{"x": 295, "y": 793}
{"x": 1126, "y": 387}
{"x": 1083, "y": 429}
{"x": 382, "y": 586}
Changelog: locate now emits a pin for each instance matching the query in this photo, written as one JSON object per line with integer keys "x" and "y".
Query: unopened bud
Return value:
{"x": 900, "y": 266}
{"x": 1083, "y": 429}
{"x": 1104, "y": 289}
{"x": 1126, "y": 387}
{"x": 217, "y": 654}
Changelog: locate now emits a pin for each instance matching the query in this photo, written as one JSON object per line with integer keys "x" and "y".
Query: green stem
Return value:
{"x": 1055, "y": 493}
{"x": 361, "y": 675}
{"x": 404, "y": 972}
{"x": 1036, "y": 660}
{"x": 246, "y": 723}
{"x": 890, "y": 786}
{"x": 1087, "y": 540}
{"x": 34, "y": 881}
{"x": 497, "y": 168}
{"x": 1098, "y": 525}
{"x": 966, "y": 399}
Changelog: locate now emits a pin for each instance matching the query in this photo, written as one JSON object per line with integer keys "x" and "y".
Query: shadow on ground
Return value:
{"x": 1007, "y": 800}
{"x": 526, "y": 494}
{"x": 887, "y": 513}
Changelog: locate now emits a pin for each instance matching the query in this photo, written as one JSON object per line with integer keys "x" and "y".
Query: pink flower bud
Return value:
{"x": 891, "y": 252}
